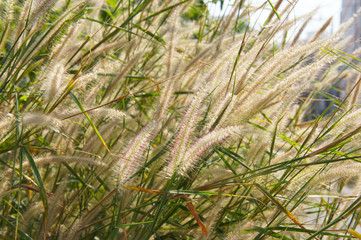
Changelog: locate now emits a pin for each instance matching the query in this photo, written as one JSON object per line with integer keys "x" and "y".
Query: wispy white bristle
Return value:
{"x": 40, "y": 119}
{"x": 52, "y": 82}
{"x": 203, "y": 144}
{"x": 128, "y": 162}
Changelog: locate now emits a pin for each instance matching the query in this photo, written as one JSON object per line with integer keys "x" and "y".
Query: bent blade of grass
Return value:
{"x": 39, "y": 182}
{"x": 194, "y": 212}
{"x": 90, "y": 121}
{"x": 279, "y": 205}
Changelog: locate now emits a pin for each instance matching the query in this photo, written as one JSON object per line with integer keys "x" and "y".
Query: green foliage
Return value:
{"x": 196, "y": 11}
{"x": 154, "y": 120}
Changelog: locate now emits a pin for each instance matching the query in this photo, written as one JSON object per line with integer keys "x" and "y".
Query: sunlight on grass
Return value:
{"x": 156, "y": 120}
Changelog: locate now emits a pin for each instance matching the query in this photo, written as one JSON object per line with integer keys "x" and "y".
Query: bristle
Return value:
{"x": 53, "y": 82}
{"x": 200, "y": 146}
{"x": 39, "y": 119}
{"x": 58, "y": 159}
{"x": 127, "y": 163}
{"x": 158, "y": 120}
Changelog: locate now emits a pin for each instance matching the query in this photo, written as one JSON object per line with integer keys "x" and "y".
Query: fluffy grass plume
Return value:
{"x": 155, "y": 120}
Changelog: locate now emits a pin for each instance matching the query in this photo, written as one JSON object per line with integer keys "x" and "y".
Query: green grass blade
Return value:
{"x": 89, "y": 120}
{"x": 274, "y": 10}
{"x": 38, "y": 181}
{"x": 353, "y": 207}
{"x": 21, "y": 232}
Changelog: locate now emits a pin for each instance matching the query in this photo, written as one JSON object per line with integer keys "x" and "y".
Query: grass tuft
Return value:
{"x": 155, "y": 120}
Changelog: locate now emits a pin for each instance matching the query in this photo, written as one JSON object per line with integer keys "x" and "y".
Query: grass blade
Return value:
{"x": 90, "y": 121}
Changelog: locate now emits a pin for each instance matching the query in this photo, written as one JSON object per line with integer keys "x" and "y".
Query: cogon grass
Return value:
{"x": 189, "y": 122}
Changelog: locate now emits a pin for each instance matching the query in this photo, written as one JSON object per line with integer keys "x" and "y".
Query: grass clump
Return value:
{"x": 154, "y": 120}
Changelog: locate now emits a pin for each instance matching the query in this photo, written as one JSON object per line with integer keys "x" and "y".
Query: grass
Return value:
{"x": 154, "y": 120}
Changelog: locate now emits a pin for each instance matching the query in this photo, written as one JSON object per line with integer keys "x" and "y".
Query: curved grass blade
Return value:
{"x": 39, "y": 182}
{"x": 194, "y": 212}
{"x": 90, "y": 121}
{"x": 279, "y": 205}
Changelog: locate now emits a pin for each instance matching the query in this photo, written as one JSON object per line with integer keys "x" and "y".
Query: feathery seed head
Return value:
{"x": 108, "y": 113}
{"x": 40, "y": 9}
{"x": 40, "y": 119}
{"x": 186, "y": 128}
{"x": 194, "y": 153}
{"x": 52, "y": 83}
{"x": 128, "y": 163}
